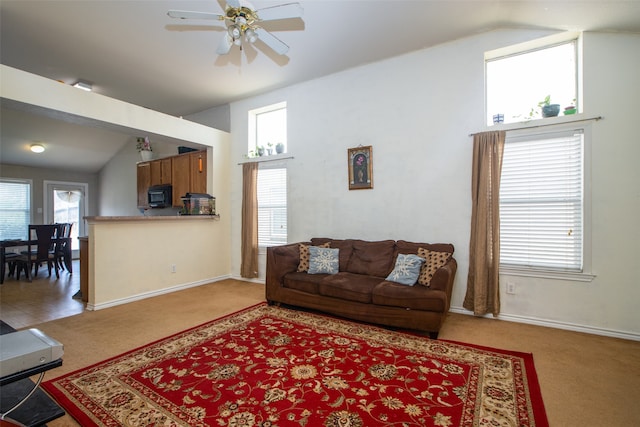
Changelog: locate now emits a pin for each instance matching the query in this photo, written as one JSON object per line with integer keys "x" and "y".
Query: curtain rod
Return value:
{"x": 548, "y": 124}
{"x": 265, "y": 160}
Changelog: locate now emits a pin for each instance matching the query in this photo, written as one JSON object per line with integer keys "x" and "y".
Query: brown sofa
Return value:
{"x": 359, "y": 290}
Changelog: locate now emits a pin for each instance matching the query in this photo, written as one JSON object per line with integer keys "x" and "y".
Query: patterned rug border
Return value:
{"x": 532, "y": 383}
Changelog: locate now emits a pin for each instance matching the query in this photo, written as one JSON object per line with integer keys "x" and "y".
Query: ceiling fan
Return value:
{"x": 242, "y": 21}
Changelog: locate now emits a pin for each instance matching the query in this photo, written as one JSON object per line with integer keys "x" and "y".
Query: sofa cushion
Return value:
{"x": 348, "y": 286}
{"x": 345, "y": 246}
{"x": 323, "y": 260}
{"x": 372, "y": 258}
{"x": 303, "y": 282}
{"x": 413, "y": 297}
{"x": 406, "y": 270}
{"x": 304, "y": 255}
{"x": 405, "y": 247}
{"x": 433, "y": 261}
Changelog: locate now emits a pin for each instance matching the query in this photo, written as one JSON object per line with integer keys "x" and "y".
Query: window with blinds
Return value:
{"x": 541, "y": 202}
{"x": 272, "y": 206}
{"x": 15, "y": 208}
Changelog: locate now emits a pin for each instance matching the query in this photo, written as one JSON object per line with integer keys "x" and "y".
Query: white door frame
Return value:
{"x": 47, "y": 193}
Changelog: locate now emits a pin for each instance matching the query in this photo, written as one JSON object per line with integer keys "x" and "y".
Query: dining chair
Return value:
{"x": 42, "y": 249}
{"x": 9, "y": 265}
{"x": 64, "y": 249}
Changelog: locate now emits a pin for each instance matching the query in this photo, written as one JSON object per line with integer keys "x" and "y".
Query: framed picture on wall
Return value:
{"x": 360, "y": 168}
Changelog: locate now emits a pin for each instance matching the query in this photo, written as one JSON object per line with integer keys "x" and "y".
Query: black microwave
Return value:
{"x": 159, "y": 196}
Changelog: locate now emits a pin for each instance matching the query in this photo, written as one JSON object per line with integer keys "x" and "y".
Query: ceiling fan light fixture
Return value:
{"x": 243, "y": 23}
{"x": 250, "y": 36}
{"x": 37, "y": 148}
{"x": 234, "y": 32}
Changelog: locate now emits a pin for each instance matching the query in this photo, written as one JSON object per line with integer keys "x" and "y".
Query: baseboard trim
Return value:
{"x": 145, "y": 295}
{"x": 244, "y": 279}
{"x": 556, "y": 324}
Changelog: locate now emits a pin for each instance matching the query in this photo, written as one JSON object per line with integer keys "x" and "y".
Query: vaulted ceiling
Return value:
{"x": 132, "y": 51}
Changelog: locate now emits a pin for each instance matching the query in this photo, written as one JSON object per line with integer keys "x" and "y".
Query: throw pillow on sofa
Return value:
{"x": 407, "y": 269}
{"x": 303, "y": 266}
{"x": 433, "y": 261}
{"x": 323, "y": 260}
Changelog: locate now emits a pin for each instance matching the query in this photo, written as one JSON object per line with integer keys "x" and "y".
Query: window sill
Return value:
{"x": 547, "y": 274}
{"x": 540, "y": 122}
{"x": 270, "y": 158}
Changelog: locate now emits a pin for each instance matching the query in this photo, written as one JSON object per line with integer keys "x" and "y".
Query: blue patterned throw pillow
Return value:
{"x": 323, "y": 260}
{"x": 407, "y": 269}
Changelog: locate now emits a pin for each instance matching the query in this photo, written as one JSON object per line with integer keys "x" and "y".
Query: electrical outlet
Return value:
{"x": 173, "y": 268}
{"x": 511, "y": 288}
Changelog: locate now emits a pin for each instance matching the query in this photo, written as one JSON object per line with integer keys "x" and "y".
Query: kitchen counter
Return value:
{"x": 150, "y": 218}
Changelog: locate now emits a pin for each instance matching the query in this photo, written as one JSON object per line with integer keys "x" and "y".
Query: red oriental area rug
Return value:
{"x": 268, "y": 366}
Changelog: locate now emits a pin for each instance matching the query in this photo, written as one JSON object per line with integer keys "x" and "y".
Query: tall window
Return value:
{"x": 272, "y": 206}
{"x": 520, "y": 78}
{"x": 267, "y": 128}
{"x": 15, "y": 208}
{"x": 542, "y": 202}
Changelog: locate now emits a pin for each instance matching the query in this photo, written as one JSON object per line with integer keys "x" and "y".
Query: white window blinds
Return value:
{"x": 272, "y": 206}
{"x": 541, "y": 202}
{"x": 15, "y": 208}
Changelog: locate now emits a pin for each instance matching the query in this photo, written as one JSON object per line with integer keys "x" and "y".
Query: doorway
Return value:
{"x": 67, "y": 202}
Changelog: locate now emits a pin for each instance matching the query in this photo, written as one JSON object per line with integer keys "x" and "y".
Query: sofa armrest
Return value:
{"x": 280, "y": 261}
{"x": 443, "y": 279}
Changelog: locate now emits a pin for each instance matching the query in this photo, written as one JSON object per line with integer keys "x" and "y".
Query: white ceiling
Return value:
{"x": 132, "y": 51}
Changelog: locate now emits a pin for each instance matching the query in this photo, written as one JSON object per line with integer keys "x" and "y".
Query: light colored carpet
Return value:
{"x": 586, "y": 380}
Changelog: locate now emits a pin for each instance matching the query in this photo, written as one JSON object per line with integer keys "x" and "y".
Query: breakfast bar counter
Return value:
{"x": 134, "y": 257}
{"x": 150, "y": 218}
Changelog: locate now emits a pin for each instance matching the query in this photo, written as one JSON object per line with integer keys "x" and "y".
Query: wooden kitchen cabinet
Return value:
{"x": 161, "y": 171}
{"x": 180, "y": 178}
{"x": 187, "y": 173}
{"x": 144, "y": 181}
{"x": 198, "y": 170}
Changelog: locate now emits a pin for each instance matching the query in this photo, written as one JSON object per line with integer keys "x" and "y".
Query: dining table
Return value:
{"x": 12, "y": 243}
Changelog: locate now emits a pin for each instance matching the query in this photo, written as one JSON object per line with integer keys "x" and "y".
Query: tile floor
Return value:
{"x": 25, "y": 304}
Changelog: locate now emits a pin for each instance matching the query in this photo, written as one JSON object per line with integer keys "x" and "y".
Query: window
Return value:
{"x": 542, "y": 202}
{"x": 15, "y": 208}
{"x": 272, "y": 206}
{"x": 267, "y": 128}
{"x": 519, "y": 77}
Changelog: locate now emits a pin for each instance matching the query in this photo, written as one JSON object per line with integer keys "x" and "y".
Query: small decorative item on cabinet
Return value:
{"x": 198, "y": 204}
{"x": 143, "y": 146}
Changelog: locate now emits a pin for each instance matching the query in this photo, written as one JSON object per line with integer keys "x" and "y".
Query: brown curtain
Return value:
{"x": 484, "y": 248}
{"x": 249, "y": 266}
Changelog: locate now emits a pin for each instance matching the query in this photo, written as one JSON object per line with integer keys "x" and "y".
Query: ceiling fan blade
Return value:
{"x": 283, "y": 11}
{"x": 272, "y": 41}
{"x": 185, "y": 14}
{"x": 225, "y": 45}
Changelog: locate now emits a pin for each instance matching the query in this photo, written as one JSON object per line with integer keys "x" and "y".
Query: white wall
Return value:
{"x": 417, "y": 111}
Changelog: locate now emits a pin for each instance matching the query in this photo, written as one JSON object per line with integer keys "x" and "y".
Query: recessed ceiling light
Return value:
{"x": 37, "y": 148}
{"x": 81, "y": 84}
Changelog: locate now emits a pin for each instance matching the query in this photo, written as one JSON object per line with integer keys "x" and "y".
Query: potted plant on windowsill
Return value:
{"x": 549, "y": 109}
{"x": 570, "y": 109}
